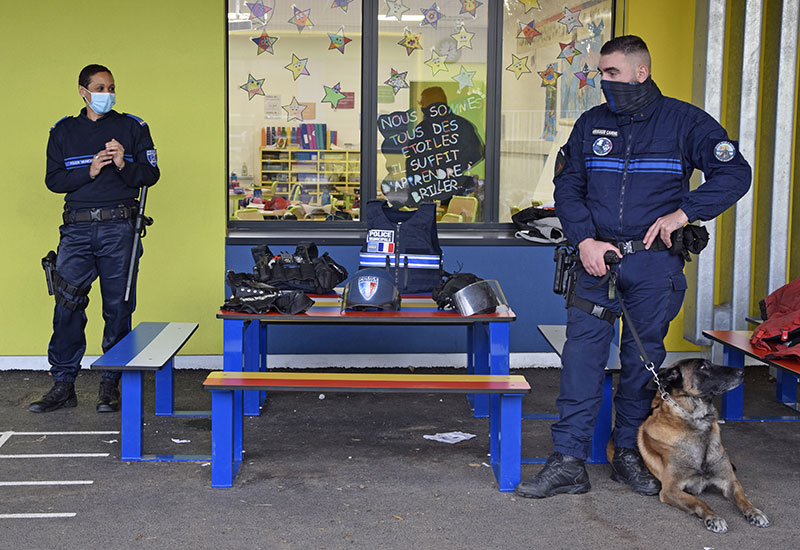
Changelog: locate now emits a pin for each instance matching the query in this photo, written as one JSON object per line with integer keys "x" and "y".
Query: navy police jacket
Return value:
{"x": 623, "y": 172}
{"x": 73, "y": 143}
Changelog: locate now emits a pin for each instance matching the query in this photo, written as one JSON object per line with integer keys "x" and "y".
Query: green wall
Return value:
{"x": 168, "y": 62}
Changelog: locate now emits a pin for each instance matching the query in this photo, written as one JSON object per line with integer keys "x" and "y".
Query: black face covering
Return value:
{"x": 629, "y": 98}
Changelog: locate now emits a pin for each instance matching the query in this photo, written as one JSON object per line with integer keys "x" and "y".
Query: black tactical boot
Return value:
{"x": 628, "y": 467}
{"x": 108, "y": 397}
{"x": 61, "y": 395}
{"x": 561, "y": 474}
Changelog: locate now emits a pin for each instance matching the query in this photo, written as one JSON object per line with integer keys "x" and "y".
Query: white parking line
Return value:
{"x": 59, "y": 455}
{"x": 60, "y": 433}
{"x": 5, "y": 436}
{"x": 55, "y": 482}
{"x": 39, "y": 516}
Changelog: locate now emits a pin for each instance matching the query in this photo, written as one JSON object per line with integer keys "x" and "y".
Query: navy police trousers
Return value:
{"x": 652, "y": 285}
{"x": 86, "y": 251}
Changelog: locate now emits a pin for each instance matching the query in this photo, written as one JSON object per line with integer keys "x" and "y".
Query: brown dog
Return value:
{"x": 680, "y": 441}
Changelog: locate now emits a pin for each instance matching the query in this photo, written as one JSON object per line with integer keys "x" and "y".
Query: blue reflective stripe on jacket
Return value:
{"x": 618, "y": 192}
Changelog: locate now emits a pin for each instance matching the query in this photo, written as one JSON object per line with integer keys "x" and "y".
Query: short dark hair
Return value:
{"x": 85, "y": 77}
{"x": 627, "y": 44}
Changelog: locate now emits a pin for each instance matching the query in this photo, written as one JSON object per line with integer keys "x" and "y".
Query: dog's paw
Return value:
{"x": 716, "y": 524}
{"x": 757, "y": 517}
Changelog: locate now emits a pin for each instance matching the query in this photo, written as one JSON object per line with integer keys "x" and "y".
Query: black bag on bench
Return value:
{"x": 303, "y": 270}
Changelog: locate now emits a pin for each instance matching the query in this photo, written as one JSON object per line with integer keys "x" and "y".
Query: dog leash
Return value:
{"x": 648, "y": 364}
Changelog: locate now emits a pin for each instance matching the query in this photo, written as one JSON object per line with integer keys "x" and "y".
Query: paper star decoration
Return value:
{"x": 549, "y": 76}
{"x": 294, "y": 110}
{"x": 431, "y": 16}
{"x": 253, "y": 87}
{"x": 568, "y": 51}
{"x": 265, "y": 43}
{"x": 464, "y": 78}
{"x": 258, "y": 11}
{"x": 519, "y": 65}
{"x": 437, "y": 62}
{"x": 528, "y": 32}
{"x": 396, "y": 9}
{"x": 338, "y": 40}
{"x": 298, "y": 66}
{"x": 530, "y": 4}
{"x": 333, "y": 95}
{"x": 463, "y": 37}
{"x": 301, "y": 18}
{"x": 410, "y": 41}
{"x": 571, "y": 19}
{"x": 397, "y": 81}
{"x": 469, "y": 6}
{"x": 344, "y": 4}
{"x": 586, "y": 77}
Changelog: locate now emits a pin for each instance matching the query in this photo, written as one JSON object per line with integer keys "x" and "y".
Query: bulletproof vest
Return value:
{"x": 252, "y": 296}
{"x": 405, "y": 243}
{"x": 302, "y": 270}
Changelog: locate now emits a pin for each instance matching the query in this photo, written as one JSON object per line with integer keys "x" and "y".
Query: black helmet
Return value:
{"x": 371, "y": 288}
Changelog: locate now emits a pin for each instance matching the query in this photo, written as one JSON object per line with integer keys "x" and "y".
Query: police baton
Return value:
{"x": 138, "y": 232}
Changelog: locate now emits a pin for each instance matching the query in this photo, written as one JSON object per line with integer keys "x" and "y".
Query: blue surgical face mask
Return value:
{"x": 101, "y": 103}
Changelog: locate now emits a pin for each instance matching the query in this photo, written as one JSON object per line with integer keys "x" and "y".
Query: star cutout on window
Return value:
{"x": 528, "y": 32}
{"x": 344, "y": 4}
{"x": 568, "y": 51}
{"x": 469, "y": 6}
{"x": 463, "y": 37}
{"x": 411, "y": 41}
{"x": 530, "y": 4}
{"x": 333, "y": 95}
{"x": 464, "y": 79}
{"x": 265, "y": 43}
{"x": 549, "y": 76}
{"x": 258, "y": 11}
{"x": 338, "y": 40}
{"x": 397, "y": 81}
{"x": 294, "y": 110}
{"x": 396, "y": 9}
{"x": 571, "y": 19}
{"x": 519, "y": 65}
{"x": 298, "y": 66}
{"x": 301, "y": 18}
{"x": 437, "y": 63}
{"x": 253, "y": 86}
{"x": 431, "y": 16}
{"x": 586, "y": 77}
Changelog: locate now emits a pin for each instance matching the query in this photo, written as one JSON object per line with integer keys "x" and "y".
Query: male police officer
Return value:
{"x": 100, "y": 159}
{"x": 621, "y": 184}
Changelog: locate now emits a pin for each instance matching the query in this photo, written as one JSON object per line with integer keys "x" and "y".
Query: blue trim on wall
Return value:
{"x": 525, "y": 274}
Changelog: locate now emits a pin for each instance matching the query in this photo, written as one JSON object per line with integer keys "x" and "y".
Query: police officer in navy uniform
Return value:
{"x": 622, "y": 185}
{"x": 100, "y": 159}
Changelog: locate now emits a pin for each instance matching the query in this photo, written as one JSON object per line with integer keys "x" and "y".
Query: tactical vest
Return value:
{"x": 405, "y": 243}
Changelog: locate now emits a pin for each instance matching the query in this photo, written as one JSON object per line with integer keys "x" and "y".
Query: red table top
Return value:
{"x": 740, "y": 340}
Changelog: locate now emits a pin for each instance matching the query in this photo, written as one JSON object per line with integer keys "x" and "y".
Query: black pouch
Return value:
{"x": 689, "y": 238}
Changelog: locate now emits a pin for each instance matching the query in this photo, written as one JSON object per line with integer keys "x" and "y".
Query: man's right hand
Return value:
{"x": 101, "y": 159}
{"x": 591, "y": 252}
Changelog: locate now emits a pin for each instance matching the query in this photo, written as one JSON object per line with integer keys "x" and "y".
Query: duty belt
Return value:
{"x": 631, "y": 247}
{"x": 99, "y": 214}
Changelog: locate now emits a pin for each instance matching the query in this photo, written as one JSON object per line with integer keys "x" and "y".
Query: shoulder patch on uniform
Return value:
{"x": 59, "y": 122}
{"x": 561, "y": 162}
{"x": 137, "y": 119}
{"x": 724, "y": 151}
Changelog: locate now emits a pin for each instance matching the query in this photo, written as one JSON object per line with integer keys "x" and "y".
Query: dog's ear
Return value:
{"x": 670, "y": 377}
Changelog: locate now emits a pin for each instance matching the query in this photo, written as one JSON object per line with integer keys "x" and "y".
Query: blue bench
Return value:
{"x": 148, "y": 347}
{"x": 556, "y": 336}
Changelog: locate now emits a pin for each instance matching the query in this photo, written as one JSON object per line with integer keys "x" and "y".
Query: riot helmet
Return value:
{"x": 481, "y": 297}
{"x": 371, "y": 289}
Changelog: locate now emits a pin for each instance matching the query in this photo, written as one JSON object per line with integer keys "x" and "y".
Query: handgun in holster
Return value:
{"x": 565, "y": 260}
{"x": 49, "y": 265}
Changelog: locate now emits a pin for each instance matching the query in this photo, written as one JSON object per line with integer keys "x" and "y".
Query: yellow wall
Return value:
{"x": 168, "y": 62}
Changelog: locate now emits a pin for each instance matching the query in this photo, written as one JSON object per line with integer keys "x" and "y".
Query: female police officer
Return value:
{"x": 623, "y": 184}
{"x": 99, "y": 159}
